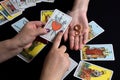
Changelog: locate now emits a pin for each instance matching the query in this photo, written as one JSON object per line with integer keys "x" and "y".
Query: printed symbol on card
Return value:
{"x": 59, "y": 21}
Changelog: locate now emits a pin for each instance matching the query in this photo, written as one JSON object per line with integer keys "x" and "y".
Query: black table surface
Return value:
{"x": 104, "y": 12}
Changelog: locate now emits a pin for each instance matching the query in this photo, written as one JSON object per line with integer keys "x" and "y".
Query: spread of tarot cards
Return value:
{"x": 57, "y": 21}
{"x": 10, "y": 9}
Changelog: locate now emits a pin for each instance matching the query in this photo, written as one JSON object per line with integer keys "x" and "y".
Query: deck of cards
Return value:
{"x": 10, "y": 9}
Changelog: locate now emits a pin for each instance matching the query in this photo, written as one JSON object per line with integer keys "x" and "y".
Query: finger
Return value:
{"x": 66, "y": 54}
{"x": 42, "y": 31}
{"x": 81, "y": 42}
{"x": 57, "y": 40}
{"x": 85, "y": 38}
{"x": 38, "y": 23}
{"x": 71, "y": 38}
{"x": 63, "y": 48}
{"x": 66, "y": 34}
{"x": 76, "y": 43}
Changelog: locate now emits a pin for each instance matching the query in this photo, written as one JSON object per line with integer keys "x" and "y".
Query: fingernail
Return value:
{"x": 48, "y": 30}
{"x": 61, "y": 31}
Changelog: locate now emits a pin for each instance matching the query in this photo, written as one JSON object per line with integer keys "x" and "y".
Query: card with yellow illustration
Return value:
{"x": 89, "y": 71}
{"x": 45, "y": 15}
{"x": 29, "y": 54}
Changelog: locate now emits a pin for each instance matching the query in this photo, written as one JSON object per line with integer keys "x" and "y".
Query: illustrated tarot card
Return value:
{"x": 73, "y": 64}
{"x": 58, "y": 21}
{"x": 89, "y": 71}
{"x": 10, "y": 8}
{"x": 95, "y": 30}
{"x": 3, "y": 19}
{"x": 98, "y": 52}
{"x": 28, "y": 54}
{"x": 45, "y": 15}
{"x": 7, "y": 15}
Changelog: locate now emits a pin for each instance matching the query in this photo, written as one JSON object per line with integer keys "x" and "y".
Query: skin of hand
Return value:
{"x": 29, "y": 33}
{"x": 79, "y": 17}
{"x": 57, "y": 61}
{"x": 11, "y": 47}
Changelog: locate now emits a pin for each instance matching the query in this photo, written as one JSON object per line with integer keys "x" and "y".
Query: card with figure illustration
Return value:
{"x": 45, "y": 15}
{"x": 97, "y": 52}
{"x": 73, "y": 64}
{"x": 10, "y": 8}
{"x": 28, "y": 54}
{"x": 95, "y": 30}
{"x": 3, "y": 19}
{"x": 89, "y": 71}
{"x": 58, "y": 21}
{"x": 7, "y": 15}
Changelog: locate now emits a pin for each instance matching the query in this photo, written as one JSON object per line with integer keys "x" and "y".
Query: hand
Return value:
{"x": 29, "y": 32}
{"x": 79, "y": 18}
{"x": 57, "y": 61}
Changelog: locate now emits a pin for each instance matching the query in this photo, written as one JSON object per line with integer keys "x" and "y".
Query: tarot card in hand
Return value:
{"x": 89, "y": 71}
{"x": 97, "y": 52}
{"x": 45, "y": 15}
{"x": 28, "y": 54}
{"x": 59, "y": 21}
{"x": 73, "y": 64}
{"x": 3, "y": 19}
{"x": 95, "y": 30}
{"x": 10, "y": 8}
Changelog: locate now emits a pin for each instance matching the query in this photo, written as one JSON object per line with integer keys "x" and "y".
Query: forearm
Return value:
{"x": 8, "y": 49}
{"x": 81, "y": 5}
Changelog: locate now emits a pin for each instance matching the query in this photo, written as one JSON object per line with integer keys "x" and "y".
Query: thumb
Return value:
{"x": 42, "y": 31}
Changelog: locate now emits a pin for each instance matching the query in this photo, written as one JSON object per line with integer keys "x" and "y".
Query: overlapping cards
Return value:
{"x": 10, "y": 9}
{"x": 28, "y": 54}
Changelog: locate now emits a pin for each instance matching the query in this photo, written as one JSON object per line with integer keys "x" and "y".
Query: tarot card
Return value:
{"x": 29, "y": 54}
{"x": 89, "y": 71}
{"x": 95, "y": 30}
{"x": 38, "y": 1}
{"x": 98, "y": 52}
{"x": 73, "y": 64}
{"x": 3, "y": 19}
{"x": 51, "y": 1}
{"x": 58, "y": 21}
{"x": 45, "y": 15}
{"x": 19, "y": 24}
{"x": 7, "y": 15}
{"x": 22, "y": 4}
{"x": 31, "y": 3}
{"x": 10, "y": 8}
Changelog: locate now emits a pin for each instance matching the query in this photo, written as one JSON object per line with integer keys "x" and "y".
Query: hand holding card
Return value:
{"x": 59, "y": 21}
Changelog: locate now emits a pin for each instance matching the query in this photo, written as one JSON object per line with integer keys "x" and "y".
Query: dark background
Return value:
{"x": 104, "y": 12}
